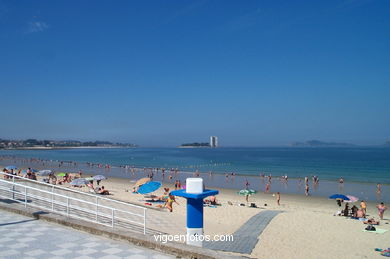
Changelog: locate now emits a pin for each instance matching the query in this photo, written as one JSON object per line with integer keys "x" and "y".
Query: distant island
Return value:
{"x": 52, "y": 144}
{"x": 195, "y": 144}
{"x": 317, "y": 143}
{"x": 387, "y": 144}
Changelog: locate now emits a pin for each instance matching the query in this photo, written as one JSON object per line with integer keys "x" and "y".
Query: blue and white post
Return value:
{"x": 194, "y": 194}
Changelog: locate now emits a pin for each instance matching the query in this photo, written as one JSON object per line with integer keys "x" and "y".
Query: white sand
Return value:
{"x": 306, "y": 228}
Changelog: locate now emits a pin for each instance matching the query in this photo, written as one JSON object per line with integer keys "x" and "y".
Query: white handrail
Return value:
{"x": 71, "y": 190}
{"x": 48, "y": 197}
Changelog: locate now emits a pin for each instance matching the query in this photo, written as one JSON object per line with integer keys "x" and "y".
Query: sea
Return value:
{"x": 362, "y": 168}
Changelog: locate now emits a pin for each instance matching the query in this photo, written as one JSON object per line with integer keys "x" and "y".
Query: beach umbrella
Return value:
{"x": 339, "y": 196}
{"x": 142, "y": 181}
{"x": 79, "y": 181}
{"x": 99, "y": 177}
{"x": 45, "y": 172}
{"x": 352, "y": 198}
{"x": 149, "y": 187}
{"x": 11, "y": 167}
{"x": 89, "y": 178}
{"x": 246, "y": 192}
{"x": 61, "y": 174}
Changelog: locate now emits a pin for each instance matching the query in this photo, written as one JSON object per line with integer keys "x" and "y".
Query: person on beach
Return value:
{"x": 360, "y": 213}
{"x": 378, "y": 188}
{"x": 381, "y": 209}
{"x": 103, "y": 191}
{"x": 363, "y": 206}
{"x": 341, "y": 180}
{"x": 247, "y": 184}
{"x": 307, "y": 190}
{"x": 169, "y": 203}
{"x": 267, "y": 188}
{"x": 278, "y": 198}
{"x": 354, "y": 210}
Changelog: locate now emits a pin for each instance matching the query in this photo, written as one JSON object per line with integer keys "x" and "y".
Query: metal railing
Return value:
{"x": 72, "y": 203}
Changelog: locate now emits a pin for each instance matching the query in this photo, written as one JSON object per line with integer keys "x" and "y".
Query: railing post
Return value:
{"x": 52, "y": 198}
{"x": 25, "y": 196}
{"x": 97, "y": 208}
{"x": 112, "y": 224}
{"x": 67, "y": 206}
{"x": 144, "y": 221}
{"x": 13, "y": 188}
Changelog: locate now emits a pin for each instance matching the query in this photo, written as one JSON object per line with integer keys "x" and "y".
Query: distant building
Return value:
{"x": 213, "y": 141}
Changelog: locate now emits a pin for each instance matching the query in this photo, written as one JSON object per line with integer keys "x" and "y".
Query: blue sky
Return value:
{"x": 161, "y": 73}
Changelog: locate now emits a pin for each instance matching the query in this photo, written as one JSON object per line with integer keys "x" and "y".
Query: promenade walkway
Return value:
{"x": 247, "y": 236}
{"x": 24, "y": 237}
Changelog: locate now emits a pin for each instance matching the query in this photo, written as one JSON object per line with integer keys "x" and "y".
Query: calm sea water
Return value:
{"x": 360, "y": 167}
{"x": 353, "y": 164}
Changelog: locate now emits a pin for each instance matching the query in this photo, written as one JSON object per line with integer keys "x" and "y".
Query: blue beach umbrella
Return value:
{"x": 45, "y": 172}
{"x": 339, "y": 196}
{"x": 99, "y": 177}
{"x": 11, "y": 167}
{"x": 149, "y": 187}
{"x": 79, "y": 181}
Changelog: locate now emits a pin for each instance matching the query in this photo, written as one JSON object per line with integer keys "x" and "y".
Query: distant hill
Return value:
{"x": 195, "y": 144}
{"x": 317, "y": 143}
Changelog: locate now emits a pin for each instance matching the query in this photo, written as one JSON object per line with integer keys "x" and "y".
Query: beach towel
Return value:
{"x": 377, "y": 231}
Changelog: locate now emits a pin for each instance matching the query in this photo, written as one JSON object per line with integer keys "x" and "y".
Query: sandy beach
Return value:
{"x": 306, "y": 228}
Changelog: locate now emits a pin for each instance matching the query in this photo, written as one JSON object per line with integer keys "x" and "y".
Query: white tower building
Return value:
{"x": 213, "y": 141}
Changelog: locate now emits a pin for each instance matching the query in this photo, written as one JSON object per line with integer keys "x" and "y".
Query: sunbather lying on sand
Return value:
{"x": 371, "y": 221}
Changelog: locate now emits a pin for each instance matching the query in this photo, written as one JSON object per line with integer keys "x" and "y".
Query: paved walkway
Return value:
{"x": 246, "y": 237}
{"x": 24, "y": 237}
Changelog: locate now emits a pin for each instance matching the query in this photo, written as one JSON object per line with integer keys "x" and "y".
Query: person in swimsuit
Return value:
{"x": 363, "y": 206}
{"x": 169, "y": 202}
{"x": 381, "y": 209}
{"x": 278, "y": 198}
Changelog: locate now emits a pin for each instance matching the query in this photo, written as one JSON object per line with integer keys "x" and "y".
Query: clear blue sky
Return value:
{"x": 161, "y": 73}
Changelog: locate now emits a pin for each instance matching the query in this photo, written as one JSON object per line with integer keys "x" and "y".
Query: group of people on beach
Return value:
{"x": 361, "y": 212}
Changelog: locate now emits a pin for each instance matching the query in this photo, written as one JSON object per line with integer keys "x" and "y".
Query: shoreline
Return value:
{"x": 366, "y": 191}
{"x": 74, "y": 147}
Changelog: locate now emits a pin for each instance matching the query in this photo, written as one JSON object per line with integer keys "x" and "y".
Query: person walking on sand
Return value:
{"x": 278, "y": 198}
{"x": 381, "y": 209}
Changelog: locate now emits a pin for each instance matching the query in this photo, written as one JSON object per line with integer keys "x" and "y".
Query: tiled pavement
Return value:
{"x": 246, "y": 237}
{"x": 24, "y": 237}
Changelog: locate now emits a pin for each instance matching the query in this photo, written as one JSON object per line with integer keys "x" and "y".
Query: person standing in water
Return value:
{"x": 267, "y": 188}
{"x": 246, "y": 184}
{"x": 378, "y": 188}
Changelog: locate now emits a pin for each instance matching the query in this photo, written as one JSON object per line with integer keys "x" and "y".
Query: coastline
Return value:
{"x": 74, "y": 147}
{"x": 325, "y": 188}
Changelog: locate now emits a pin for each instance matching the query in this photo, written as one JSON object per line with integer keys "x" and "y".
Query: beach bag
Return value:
{"x": 370, "y": 228}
